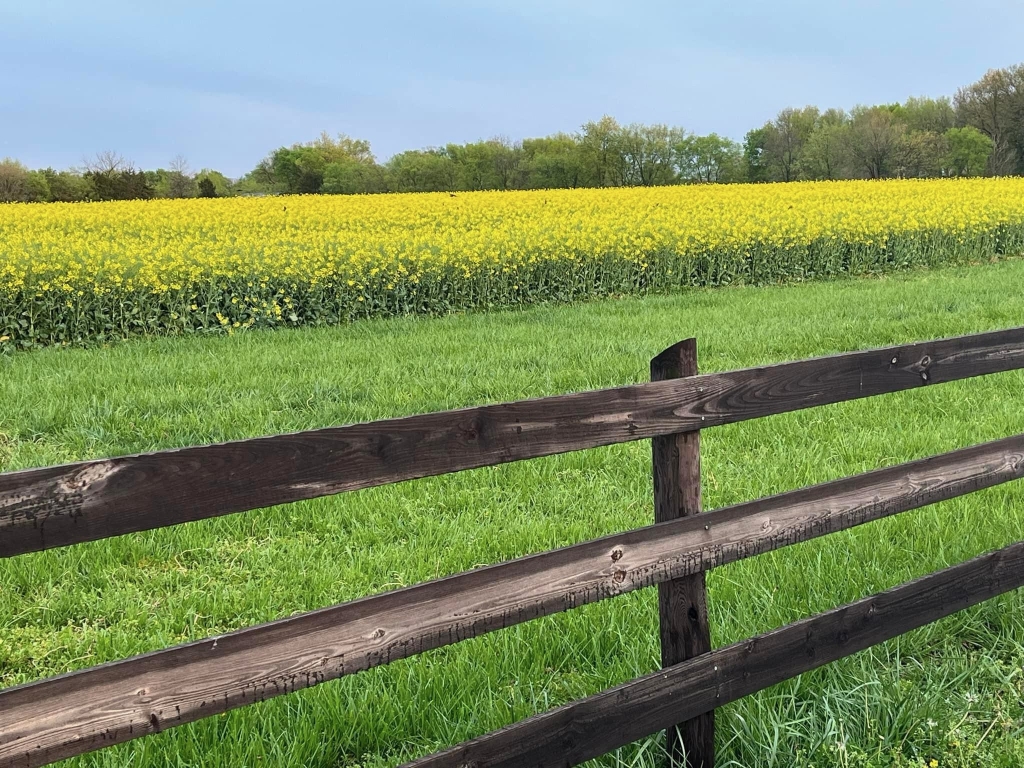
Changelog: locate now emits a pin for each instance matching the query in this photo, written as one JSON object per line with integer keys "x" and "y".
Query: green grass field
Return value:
{"x": 951, "y": 692}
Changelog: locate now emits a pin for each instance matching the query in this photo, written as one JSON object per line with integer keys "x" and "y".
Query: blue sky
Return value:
{"x": 223, "y": 83}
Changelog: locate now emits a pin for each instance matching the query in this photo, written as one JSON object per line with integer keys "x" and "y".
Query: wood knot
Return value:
{"x": 618, "y": 575}
{"x": 616, "y": 555}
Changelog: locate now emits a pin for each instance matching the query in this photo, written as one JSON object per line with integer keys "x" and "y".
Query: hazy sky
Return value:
{"x": 223, "y": 83}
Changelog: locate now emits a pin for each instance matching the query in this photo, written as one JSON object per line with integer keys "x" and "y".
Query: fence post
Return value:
{"x": 682, "y": 603}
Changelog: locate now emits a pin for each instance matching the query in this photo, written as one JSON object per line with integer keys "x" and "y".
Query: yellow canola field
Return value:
{"x": 73, "y": 273}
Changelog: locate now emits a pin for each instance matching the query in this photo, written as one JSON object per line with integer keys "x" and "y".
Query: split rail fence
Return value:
{"x": 84, "y": 710}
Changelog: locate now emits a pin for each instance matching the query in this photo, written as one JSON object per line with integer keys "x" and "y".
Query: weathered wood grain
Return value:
{"x": 593, "y": 726}
{"x": 44, "y": 721}
{"x": 682, "y": 602}
{"x": 56, "y": 506}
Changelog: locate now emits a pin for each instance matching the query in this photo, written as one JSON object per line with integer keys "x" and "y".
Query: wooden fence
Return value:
{"x": 51, "y": 719}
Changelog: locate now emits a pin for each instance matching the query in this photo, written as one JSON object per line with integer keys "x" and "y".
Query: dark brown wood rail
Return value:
{"x": 48, "y": 720}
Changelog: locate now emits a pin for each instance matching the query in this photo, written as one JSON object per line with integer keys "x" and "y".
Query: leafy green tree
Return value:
{"x": 352, "y": 177}
{"x": 112, "y": 177}
{"x": 968, "y": 151}
{"x": 509, "y": 163}
{"x": 925, "y": 114}
{"x": 67, "y": 186}
{"x": 127, "y": 184}
{"x": 754, "y": 157}
{"x": 554, "y": 162}
{"x": 601, "y": 153}
{"x": 709, "y": 159}
{"x": 14, "y": 182}
{"x": 475, "y": 163}
{"x": 784, "y": 141}
{"x": 429, "y": 170}
{"x": 38, "y": 187}
{"x": 207, "y": 188}
{"x": 158, "y": 181}
{"x": 649, "y": 154}
{"x": 920, "y": 154}
{"x": 995, "y": 106}
{"x": 260, "y": 180}
{"x": 221, "y": 183}
{"x": 875, "y": 139}
{"x": 342, "y": 148}
{"x": 20, "y": 185}
{"x": 300, "y": 169}
{"x": 826, "y": 152}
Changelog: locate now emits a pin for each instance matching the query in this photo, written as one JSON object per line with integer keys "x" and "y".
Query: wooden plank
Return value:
{"x": 69, "y": 715}
{"x": 56, "y": 506}
{"x": 682, "y": 602}
{"x": 598, "y": 724}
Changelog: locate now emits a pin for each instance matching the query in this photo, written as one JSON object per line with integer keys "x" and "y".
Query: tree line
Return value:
{"x": 980, "y": 131}
{"x": 108, "y": 176}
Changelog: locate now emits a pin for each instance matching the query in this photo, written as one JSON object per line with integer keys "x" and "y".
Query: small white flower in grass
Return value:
{"x": 931, "y": 723}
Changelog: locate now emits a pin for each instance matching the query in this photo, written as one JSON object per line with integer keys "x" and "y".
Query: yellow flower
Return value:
{"x": 125, "y": 260}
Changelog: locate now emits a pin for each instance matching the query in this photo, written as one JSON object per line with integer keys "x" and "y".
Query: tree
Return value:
{"x": 297, "y": 170}
{"x": 351, "y": 177}
{"x": 995, "y": 106}
{"x": 648, "y": 154}
{"x": 754, "y": 157}
{"x": 67, "y": 186}
{"x": 709, "y": 159}
{"x": 509, "y": 163}
{"x": 206, "y": 188}
{"x": 968, "y": 151}
{"x": 343, "y": 147}
{"x": 38, "y": 187}
{"x": 826, "y": 154}
{"x": 476, "y": 165}
{"x": 120, "y": 185}
{"x": 112, "y": 177}
{"x": 108, "y": 162}
{"x": 222, "y": 185}
{"x": 180, "y": 182}
{"x": 14, "y": 182}
{"x": 260, "y": 178}
{"x": 601, "y": 153}
{"x": 784, "y": 140}
{"x": 300, "y": 169}
{"x": 429, "y": 170}
{"x": 875, "y": 136}
{"x": 920, "y": 154}
{"x": 554, "y": 162}
{"x": 925, "y": 114}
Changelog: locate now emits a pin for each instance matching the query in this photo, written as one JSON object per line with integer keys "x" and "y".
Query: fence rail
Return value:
{"x": 57, "y": 506}
{"x": 590, "y": 727}
{"x": 48, "y": 720}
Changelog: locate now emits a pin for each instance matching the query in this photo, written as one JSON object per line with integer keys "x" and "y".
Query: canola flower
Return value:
{"x": 88, "y": 272}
